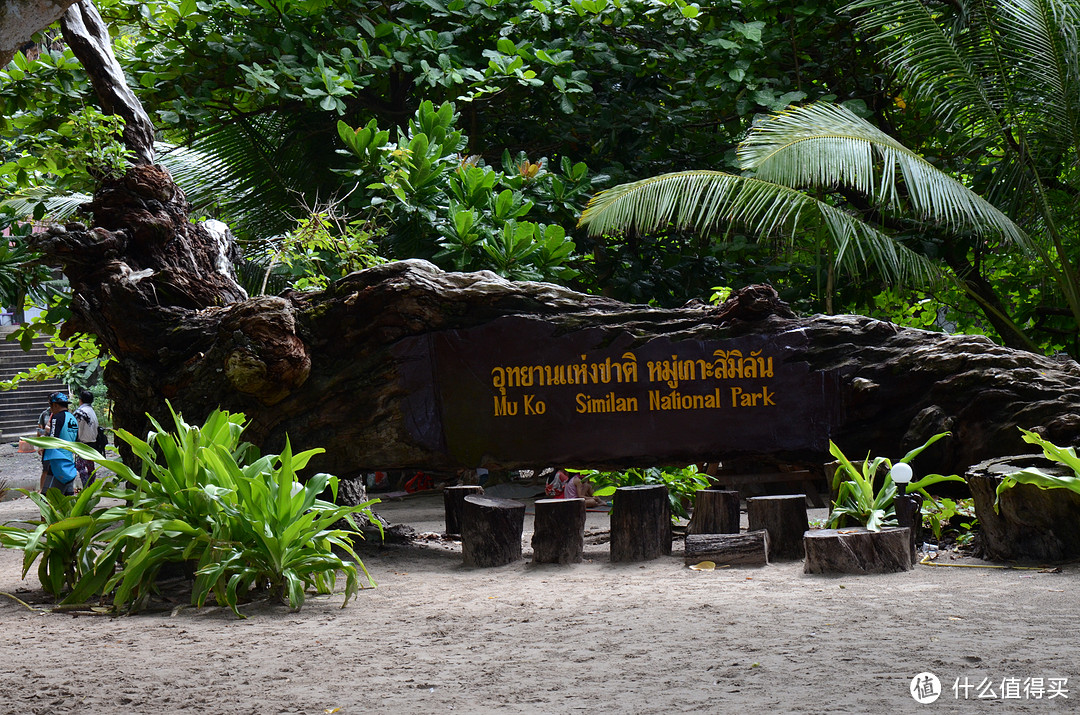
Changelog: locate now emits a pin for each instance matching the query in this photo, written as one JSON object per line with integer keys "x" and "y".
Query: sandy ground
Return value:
{"x": 654, "y": 637}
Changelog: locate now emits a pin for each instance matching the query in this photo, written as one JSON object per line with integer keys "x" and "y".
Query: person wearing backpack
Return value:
{"x": 59, "y": 464}
{"x": 90, "y": 434}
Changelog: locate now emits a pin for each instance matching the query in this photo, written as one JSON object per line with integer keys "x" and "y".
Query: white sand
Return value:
{"x": 654, "y": 637}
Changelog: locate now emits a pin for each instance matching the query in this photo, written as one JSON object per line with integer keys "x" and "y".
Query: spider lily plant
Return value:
{"x": 858, "y": 500}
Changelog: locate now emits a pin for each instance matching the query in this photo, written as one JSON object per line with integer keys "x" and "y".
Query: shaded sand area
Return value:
{"x": 654, "y": 637}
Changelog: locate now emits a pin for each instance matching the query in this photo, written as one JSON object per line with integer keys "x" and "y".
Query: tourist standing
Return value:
{"x": 88, "y": 434}
{"x": 59, "y": 465}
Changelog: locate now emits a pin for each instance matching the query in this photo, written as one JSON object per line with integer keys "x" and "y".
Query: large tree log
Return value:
{"x": 346, "y": 369}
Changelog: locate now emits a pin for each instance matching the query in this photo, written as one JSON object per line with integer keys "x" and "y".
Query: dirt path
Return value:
{"x": 640, "y": 638}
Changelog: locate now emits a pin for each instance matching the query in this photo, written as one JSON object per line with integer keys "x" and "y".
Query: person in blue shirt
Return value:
{"x": 59, "y": 464}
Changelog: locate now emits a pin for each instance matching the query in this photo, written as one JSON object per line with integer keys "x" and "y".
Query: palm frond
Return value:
{"x": 256, "y": 173}
{"x": 708, "y": 200}
{"x": 940, "y": 61}
{"x": 826, "y": 145}
{"x": 1039, "y": 38}
{"x": 58, "y": 206}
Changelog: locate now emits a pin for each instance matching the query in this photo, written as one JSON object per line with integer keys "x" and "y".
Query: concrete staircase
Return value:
{"x": 19, "y": 409}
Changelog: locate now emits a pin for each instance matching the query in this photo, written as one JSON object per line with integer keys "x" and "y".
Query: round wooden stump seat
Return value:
{"x": 857, "y": 550}
{"x": 559, "y": 531}
{"x": 491, "y": 531}
{"x": 1029, "y": 523}
{"x": 785, "y": 518}
{"x": 640, "y": 523}
{"x": 716, "y": 511}
{"x": 454, "y": 504}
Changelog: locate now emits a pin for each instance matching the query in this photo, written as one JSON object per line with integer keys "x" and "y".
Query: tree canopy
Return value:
{"x": 260, "y": 109}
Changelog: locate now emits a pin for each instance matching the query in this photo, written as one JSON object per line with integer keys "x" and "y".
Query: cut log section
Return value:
{"x": 454, "y": 503}
{"x": 749, "y": 549}
{"x": 716, "y": 511}
{"x": 491, "y": 531}
{"x": 640, "y": 523}
{"x": 784, "y": 517}
{"x": 559, "y": 531}
{"x": 858, "y": 551}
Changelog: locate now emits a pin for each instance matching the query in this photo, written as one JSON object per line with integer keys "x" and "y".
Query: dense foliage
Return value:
{"x": 249, "y": 96}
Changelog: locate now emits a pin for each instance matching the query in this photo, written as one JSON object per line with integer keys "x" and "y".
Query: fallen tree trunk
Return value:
{"x": 377, "y": 368}
{"x": 393, "y": 367}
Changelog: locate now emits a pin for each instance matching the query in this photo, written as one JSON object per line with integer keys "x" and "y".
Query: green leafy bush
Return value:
{"x": 205, "y": 499}
{"x": 682, "y": 484}
{"x": 944, "y": 516}
{"x": 859, "y": 501}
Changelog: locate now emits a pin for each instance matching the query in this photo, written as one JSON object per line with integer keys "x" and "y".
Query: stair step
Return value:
{"x": 19, "y": 408}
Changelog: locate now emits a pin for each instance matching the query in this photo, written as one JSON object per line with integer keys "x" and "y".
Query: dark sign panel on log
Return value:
{"x": 512, "y": 390}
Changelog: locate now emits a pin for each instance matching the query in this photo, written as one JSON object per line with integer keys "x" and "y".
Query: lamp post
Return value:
{"x": 908, "y": 506}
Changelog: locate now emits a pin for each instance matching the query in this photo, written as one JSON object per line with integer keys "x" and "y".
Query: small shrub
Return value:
{"x": 203, "y": 498}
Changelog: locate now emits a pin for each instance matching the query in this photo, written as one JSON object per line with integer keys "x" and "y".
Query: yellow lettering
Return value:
{"x": 534, "y": 406}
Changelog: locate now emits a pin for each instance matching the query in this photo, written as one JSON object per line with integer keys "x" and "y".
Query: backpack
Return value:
{"x": 101, "y": 442}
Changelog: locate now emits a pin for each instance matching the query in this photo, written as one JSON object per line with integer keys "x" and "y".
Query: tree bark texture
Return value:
{"x": 88, "y": 36}
{"x": 784, "y": 517}
{"x": 716, "y": 511}
{"x": 559, "y": 531}
{"x": 640, "y": 523}
{"x": 750, "y": 548}
{"x": 858, "y": 551}
{"x": 454, "y": 505}
{"x": 491, "y": 531}
{"x": 1029, "y": 523}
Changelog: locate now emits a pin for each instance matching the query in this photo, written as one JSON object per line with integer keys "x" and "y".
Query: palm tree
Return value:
{"x": 999, "y": 77}
{"x": 805, "y": 160}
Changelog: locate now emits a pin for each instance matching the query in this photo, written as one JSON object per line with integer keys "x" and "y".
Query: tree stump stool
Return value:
{"x": 491, "y": 531}
{"x": 716, "y": 511}
{"x": 454, "y": 502}
{"x": 858, "y": 551}
{"x": 640, "y": 523}
{"x": 559, "y": 531}
{"x": 749, "y": 549}
{"x": 784, "y": 517}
